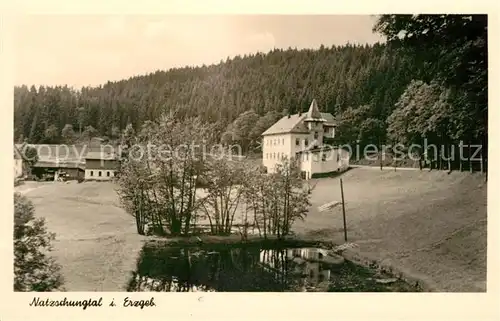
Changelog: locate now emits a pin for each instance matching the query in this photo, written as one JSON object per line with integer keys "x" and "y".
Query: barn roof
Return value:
{"x": 53, "y": 152}
{"x": 54, "y": 164}
{"x": 66, "y": 153}
{"x": 101, "y": 155}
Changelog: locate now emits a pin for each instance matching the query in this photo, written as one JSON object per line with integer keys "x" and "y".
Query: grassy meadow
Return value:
{"x": 430, "y": 224}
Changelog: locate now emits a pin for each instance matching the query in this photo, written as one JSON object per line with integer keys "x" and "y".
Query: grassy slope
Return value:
{"x": 96, "y": 242}
{"x": 430, "y": 224}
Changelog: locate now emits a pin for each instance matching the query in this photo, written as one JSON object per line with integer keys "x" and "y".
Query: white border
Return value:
{"x": 267, "y": 306}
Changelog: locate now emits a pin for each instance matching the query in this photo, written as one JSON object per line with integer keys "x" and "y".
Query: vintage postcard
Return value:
{"x": 253, "y": 155}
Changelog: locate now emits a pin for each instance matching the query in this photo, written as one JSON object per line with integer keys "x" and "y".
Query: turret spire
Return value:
{"x": 313, "y": 114}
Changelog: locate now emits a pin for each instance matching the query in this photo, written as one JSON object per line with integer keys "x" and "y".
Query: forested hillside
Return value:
{"x": 338, "y": 77}
{"x": 428, "y": 81}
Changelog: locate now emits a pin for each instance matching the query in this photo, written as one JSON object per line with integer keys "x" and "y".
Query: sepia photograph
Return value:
{"x": 249, "y": 153}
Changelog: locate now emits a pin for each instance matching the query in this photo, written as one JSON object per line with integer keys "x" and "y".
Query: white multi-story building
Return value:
{"x": 300, "y": 137}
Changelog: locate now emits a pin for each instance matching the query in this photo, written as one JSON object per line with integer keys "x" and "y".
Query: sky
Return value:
{"x": 83, "y": 50}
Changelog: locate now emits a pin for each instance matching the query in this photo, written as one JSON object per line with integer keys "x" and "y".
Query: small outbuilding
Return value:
{"x": 101, "y": 165}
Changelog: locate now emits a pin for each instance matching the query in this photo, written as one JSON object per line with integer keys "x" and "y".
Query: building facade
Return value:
{"x": 101, "y": 166}
{"x": 301, "y": 137}
{"x": 56, "y": 170}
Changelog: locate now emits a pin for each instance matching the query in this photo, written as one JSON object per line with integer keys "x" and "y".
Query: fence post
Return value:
{"x": 343, "y": 210}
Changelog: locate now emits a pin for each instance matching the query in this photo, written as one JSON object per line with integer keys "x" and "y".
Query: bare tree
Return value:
{"x": 158, "y": 181}
{"x": 277, "y": 200}
{"x": 224, "y": 188}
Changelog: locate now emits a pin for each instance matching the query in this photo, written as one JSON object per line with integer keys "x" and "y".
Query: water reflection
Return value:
{"x": 246, "y": 269}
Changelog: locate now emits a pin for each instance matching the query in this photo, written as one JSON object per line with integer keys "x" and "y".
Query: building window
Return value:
{"x": 297, "y": 142}
{"x": 307, "y": 156}
{"x": 91, "y": 173}
{"x": 283, "y": 141}
{"x": 338, "y": 157}
{"x": 274, "y": 155}
{"x": 316, "y": 135}
{"x": 100, "y": 173}
{"x": 107, "y": 174}
{"x": 306, "y": 142}
{"x": 323, "y": 157}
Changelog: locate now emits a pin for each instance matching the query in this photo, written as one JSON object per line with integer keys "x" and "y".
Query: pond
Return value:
{"x": 254, "y": 269}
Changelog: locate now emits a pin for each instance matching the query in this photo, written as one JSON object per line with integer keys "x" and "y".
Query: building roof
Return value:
{"x": 54, "y": 164}
{"x": 330, "y": 119}
{"x": 53, "y": 152}
{"x": 67, "y": 153}
{"x": 101, "y": 155}
{"x": 295, "y": 123}
{"x": 313, "y": 113}
{"x": 288, "y": 124}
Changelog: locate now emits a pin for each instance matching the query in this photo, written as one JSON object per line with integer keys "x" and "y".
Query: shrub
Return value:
{"x": 34, "y": 270}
